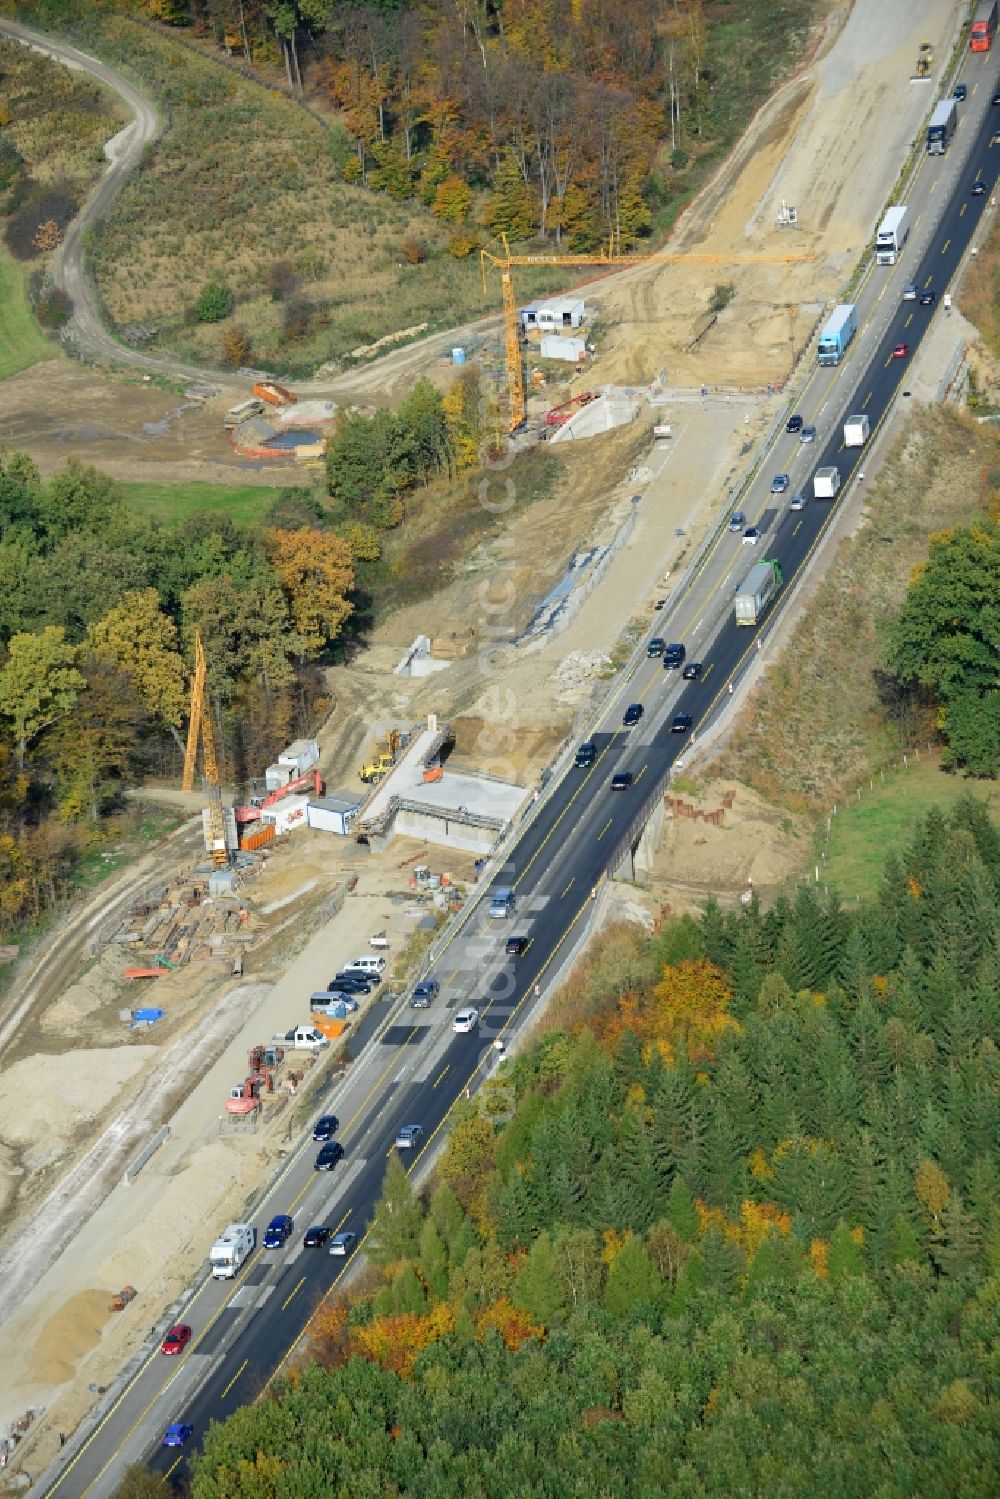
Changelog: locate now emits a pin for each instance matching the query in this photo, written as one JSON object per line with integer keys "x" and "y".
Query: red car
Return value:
{"x": 177, "y": 1339}
{"x": 900, "y": 351}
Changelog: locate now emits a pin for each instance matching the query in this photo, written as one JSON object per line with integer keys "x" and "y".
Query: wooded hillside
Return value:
{"x": 731, "y": 1228}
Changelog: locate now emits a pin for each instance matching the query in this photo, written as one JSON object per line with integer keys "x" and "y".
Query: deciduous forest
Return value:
{"x": 730, "y": 1226}
{"x": 475, "y": 107}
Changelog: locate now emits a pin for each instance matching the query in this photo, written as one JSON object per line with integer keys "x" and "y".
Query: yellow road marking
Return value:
{"x": 292, "y": 1294}
{"x": 234, "y": 1379}
{"x": 440, "y": 1076}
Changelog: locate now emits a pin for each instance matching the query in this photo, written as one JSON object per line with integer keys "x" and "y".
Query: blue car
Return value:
{"x": 278, "y": 1231}
{"x": 177, "y": 1434}
{"x": 325, "y": 1128}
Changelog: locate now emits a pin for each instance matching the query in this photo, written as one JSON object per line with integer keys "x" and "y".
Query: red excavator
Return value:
{"x": 261, "y": 1063}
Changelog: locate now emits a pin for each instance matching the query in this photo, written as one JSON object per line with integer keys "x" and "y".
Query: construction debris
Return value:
{"x": 178, "y": 923}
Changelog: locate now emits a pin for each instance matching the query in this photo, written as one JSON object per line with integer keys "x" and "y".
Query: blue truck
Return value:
{"x": 837, "y": 332}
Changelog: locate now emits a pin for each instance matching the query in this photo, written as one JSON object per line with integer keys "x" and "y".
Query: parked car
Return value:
{"x": 424, "y": 992}
{"x": 516, "y": 947}
{"x": 316, "y": 1236}
{"x": 350, "y": 983}
{"x": 278, "y": 1231}
{"x": 779, "y": 483}
{"x": 632, "y": 715}
{"x": 794, "y": 423}
{"x": 692, "y": 671}
{"x": 344, "y": 998}
{"x": 409, "y": 1137}
{"x": 331, "y": 1153}
{"x": 176, "y": 1339}
{"x": 177, "y": 1434}
{"x": 737, "y": 520}
{"x": 585, "y": 755}
{"x": 465, "y": 1021}
{"x": 621, "y": 780}
{"x": 681, "y": 724}
{"x": 326, "y": 1127}
{"x": 900, "y": 351}
{"x": 343, "y": 1243}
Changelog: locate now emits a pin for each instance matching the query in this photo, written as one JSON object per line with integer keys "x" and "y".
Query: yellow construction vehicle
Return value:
{"x": 925, "y": 58}
{"x": 383, "y": 760}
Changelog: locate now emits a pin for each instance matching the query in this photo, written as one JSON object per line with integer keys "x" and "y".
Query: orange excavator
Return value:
{"x": 262, "y": 1061}
{"x": 311, "y": 781}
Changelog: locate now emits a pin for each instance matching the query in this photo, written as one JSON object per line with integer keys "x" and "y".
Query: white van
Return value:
{"x": 371, "y": 965}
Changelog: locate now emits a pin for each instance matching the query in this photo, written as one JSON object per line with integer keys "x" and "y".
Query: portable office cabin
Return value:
{"x": 552, "y": 314}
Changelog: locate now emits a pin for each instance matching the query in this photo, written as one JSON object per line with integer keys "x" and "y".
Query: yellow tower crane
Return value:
{"x": 200, "y": 727}
{"x": 512, "y": 334}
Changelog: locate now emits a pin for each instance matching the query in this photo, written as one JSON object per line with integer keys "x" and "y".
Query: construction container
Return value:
{"x": 262, "y": 834}
{"x": 273, "y": 394}
{"x": 287, "y": 814}
{"x": 556, "y": 347}
{"x": 333, "y": 814}
{"x": 301, "y": 755}
{"x": 276, "y": 776}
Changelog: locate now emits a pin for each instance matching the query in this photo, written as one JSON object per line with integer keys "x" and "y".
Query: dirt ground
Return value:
{"x": 93, "y": 1076}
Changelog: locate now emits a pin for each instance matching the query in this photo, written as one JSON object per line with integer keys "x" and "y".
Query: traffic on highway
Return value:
{"x": 417, "y": 1055}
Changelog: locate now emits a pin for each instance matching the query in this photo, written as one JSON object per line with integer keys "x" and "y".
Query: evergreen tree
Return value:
{"x": 904, "y": 1245}
{"x": 629, "y": 1065}
{"x": 433, "y": 1261}
{"x": 715, "y": 936}
{"x": 538, "y": 1286}
{"x": 681, "y": 1212}
{"x": 634, "y": 1286}
{"x": 515, "y": 1209}
{"x": 408, "y": 1294}
{"x": 396, "y": 1226}
{"x": 954, "y": 1240}
{"x": 641, "y": 1167}
{"x": 722, "y": 1260}
{"x": 725, "y": 1163}
{"x": 845, "y": 1258}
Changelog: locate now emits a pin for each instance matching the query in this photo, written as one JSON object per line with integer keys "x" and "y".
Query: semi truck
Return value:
{"x": 837, "y": 332}
{"x": 826, "y": 482}
{"x": 856, "y": 430}
{"x": 757, "y": 590}
{"x": 891, "y": 236}
{"x": 231, "y": 1249}
{"x": 942, "y": 127}
{"x": 984, "y": 25}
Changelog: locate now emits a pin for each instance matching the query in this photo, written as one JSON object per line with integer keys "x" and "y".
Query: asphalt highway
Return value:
{"x": 409, "y": 1065}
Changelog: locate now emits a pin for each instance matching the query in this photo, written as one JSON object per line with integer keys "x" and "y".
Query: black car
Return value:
{"x": 424, "y": 992}
{"x": 674, "y": 655}
{"x": 979, "y": 189}
{"x": 995, "y": 99}
{"x": 516, "y": 947}
{"x": 961, "y": 92}
{"x": 316, "y": 1236}
{"x": 621, "y": 780}
{"x": 927, "y": 298}
{"x": 633, "y": 713}
{"x": 681, "y": 724}
{"x": 692, "y": 671}
{"x": 328, "y": 1157}
{"x": 349, "y": 983}
{"x": 794, "y": 423}
{"x": 656, "y": 646}
{"x": 586, "y": 755}
{"x": 326, "y": 1128}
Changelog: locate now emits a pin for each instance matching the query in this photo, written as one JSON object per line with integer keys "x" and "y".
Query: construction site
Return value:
{"x": 163, "y": 1023}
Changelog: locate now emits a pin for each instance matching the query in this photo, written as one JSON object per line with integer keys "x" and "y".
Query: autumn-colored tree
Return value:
{"x": 39, "y": 685}
{"x": 467, "y": 418}
{"x": 330, "y": 1333}
{"x": 142, "y": 641}
{"x": 932, "y": 1189}
{"x": 452, "y": 200}
{"x": 237, "y": 347}
{"x": 395, "y": 1341}
{"x": 315, "y": 572}
{"x": 514, "y": 1325}
{"x": 692, "y": 1006}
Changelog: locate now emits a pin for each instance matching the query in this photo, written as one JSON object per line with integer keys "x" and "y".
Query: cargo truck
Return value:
{"x": 891, "y": 236}
{"x": 757, "y": 590}
{"x": 984, "y": 24}
{"x": 826, "y": 482}
{"x": 837, "y": 332}
{"x": 231, "y": 1249}
{"x": 942, "y": 127}
{"x": 856, "y": 431}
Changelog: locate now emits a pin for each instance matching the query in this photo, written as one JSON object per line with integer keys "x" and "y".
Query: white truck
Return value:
{"x": 891, "y": 236}
{"x": 303, "y": 1038}
{"x": 826, "y": 482}
{"x": 856, "y": 431}
{"x": 231, "y": 1249}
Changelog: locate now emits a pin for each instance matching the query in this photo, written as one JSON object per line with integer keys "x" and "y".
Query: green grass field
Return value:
{"x": 175, "y": 502}
{"x": 22, "y": 342}
{"x": 865, "y": 831}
